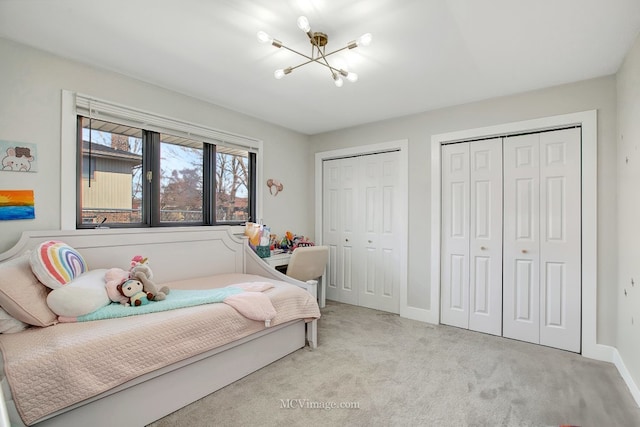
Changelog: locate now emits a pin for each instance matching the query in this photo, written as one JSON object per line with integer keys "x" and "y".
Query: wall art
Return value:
{"x": 275, "y": 186}
{"x": 18, "y": 156}
{"x": 16, "y": 204}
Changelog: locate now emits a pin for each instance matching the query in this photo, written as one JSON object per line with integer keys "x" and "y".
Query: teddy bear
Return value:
{"x": 141, "y": 271}
{"x": 133, "y": 290}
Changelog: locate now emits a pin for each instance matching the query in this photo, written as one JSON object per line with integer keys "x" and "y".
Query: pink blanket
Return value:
{"x": 253, "y": 304}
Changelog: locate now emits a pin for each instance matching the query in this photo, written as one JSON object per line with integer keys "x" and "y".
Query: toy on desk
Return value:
{"x": 287, "y": 241}
{"x": 253, "y": 231}
{"x": 290, "y": 241}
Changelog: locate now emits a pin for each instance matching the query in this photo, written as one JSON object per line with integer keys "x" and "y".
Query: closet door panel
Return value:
{"x": 455, "y": 235}
{"x": 381, "y": 289}
{"x": 485, "y": 244}
{"x": 560, "y": 242}
{"x": 331, "y": 234}
{"x": 521, "y": 258}
{"x": 339, "y": 220}
{"x": 389, "y": 223}
{"x": 349, "y": 211}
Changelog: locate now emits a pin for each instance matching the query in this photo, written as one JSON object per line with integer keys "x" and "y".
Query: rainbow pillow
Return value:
{"x": 55, "y": 263}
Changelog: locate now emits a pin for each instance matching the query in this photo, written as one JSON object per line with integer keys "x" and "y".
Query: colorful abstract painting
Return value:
{"x": 16, "y": 204}
{"x": 18, "y": 156}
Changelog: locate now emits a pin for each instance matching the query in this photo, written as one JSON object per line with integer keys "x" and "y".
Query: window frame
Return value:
{"x": 75, "y": 104}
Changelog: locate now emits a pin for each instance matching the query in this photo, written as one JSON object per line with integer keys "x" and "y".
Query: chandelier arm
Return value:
{"x": 300, "y": 65}
{"x": 310, "y": 59}
{"x": 314, "y": 59}
{"x": 317, "y": 61}
{"x": 301, "y": 54}
{"x": 335, "y": 70}
{"x": 315, "y": 43}
{"x": 336, "y": 51}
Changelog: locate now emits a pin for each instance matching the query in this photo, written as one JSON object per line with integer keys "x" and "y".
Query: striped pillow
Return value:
{"x": 55, "y": 263}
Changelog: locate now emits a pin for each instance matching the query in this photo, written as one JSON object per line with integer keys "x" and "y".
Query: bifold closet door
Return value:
{"x": 542, "y": 242}
{"x": 471, "y": 271}
{"x": 361, "y": 216}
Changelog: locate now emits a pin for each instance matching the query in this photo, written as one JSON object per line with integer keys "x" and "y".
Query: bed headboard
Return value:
{"x": 174, "y": 253}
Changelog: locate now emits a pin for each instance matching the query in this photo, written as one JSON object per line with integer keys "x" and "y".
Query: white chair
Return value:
{"x": 307, "y": 264}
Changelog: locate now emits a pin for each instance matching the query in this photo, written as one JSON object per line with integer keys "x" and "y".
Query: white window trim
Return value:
{"x": 74, "y": 103}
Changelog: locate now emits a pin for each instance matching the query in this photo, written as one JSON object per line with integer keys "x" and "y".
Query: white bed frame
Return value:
{"x": 174, "y": 253}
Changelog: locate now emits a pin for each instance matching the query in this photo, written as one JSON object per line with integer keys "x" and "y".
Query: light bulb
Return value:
{"x": 264, "y": 37}
{"x": 303, "y": 24}
{"x": 280, "y": 73}
{"x": 364, "y": 40}
{"x": 338, "y": 80}
{"x": 352, "y": 77}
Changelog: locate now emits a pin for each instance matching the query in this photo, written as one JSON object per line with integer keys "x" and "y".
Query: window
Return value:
{"x": 132, "y": 176}
{"x": 232, "y": 185}
{"x": 181, "y": 180}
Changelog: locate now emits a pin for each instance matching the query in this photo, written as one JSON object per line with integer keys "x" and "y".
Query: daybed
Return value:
{"x": 130, "y": 371}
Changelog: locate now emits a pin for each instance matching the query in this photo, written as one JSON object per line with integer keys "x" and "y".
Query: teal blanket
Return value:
{"x": 177, "y": 298}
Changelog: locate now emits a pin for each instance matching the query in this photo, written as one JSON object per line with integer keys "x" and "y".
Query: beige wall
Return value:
{"x": 582, "y": 96}
{"x": 31, "y": 82}
{"x": 628, "y": 219}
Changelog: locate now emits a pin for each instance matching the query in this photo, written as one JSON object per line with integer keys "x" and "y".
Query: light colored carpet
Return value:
{"x": 400, "y": 372}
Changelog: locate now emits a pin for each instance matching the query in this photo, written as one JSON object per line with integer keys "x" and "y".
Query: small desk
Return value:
{"x": 278, "y": 260}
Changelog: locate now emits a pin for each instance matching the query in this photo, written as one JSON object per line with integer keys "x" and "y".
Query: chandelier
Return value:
{"x": 318, "y": 42}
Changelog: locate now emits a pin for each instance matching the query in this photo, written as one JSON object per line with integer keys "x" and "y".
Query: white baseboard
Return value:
{"x": 595, "y": 351}
{"x": 611, "y": 354}
{"x": 626, "y": 376}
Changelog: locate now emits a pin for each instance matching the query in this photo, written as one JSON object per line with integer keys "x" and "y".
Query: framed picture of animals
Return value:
{"x": 18, "y": 156}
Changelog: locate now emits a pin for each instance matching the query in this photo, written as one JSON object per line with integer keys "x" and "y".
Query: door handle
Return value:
{"x": 370, "y": 241}
{"x": 483, "y": 248}
{"x": 346, "y": 240}
{"x": 524, "y": 251}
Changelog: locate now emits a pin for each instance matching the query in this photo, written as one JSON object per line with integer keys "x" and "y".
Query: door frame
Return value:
{"x": 588, "y": 121}
{"x": 402, "y": 146}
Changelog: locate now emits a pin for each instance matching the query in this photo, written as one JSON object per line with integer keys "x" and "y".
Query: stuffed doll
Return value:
{"x": 141, "y": 271}
{"x": 132, "y": 289}
{"x": 114, "y": 277}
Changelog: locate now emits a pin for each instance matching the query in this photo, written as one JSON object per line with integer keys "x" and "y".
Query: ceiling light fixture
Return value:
{"x": 318, "y": 42}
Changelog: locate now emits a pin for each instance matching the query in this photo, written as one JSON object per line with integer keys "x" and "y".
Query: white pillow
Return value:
{"x": 83, "y": 295}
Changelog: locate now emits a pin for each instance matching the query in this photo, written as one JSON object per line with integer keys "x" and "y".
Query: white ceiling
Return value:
{"x": 426, "y": 54}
